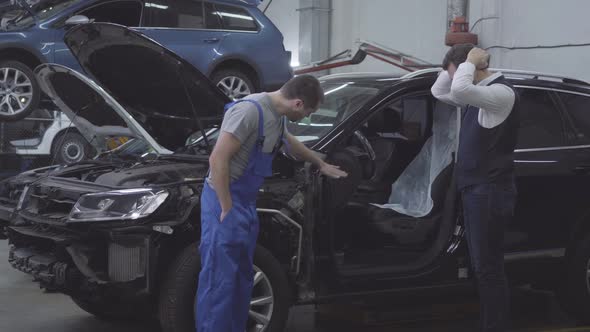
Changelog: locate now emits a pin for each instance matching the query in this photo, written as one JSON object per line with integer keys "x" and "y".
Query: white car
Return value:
{"x": 46, "y": 133}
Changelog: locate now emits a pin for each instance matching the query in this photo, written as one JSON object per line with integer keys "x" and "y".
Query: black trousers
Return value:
{"x": 487, "y": 208}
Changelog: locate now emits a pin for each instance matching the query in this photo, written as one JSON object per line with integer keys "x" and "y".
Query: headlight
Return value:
{"x": 22, "y": 197}
{"x": 117, "y": 205}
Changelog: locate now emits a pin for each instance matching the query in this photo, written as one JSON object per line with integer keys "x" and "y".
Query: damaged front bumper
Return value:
{"x": 61, "y": 261}
{"x": 6, "y": 213}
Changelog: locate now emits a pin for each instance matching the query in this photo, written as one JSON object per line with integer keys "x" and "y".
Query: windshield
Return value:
{"x": 341, "y": 100}
{"x": 42, "y": 9}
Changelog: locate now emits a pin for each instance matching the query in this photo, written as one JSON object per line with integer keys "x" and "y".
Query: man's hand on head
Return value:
{"x": 479, "y": 58}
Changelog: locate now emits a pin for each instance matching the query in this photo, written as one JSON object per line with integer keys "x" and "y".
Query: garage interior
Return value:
{"x": 338, "y": 40}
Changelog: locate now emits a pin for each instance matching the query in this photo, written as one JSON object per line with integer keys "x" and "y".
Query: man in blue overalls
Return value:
{"x": 251, "y": 133}
{"x": 484, "y": 170}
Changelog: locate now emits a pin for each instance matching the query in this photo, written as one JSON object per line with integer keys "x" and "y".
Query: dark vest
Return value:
{"x": 487, "y": 155}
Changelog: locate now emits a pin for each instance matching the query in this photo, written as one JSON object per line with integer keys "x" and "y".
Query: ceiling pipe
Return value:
{"x": 315, "y": 18}
{"x": 456, "y": 8}
{"x": 458, "y": 25}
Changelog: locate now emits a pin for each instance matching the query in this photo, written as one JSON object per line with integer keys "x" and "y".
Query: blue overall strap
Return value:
{"x": 281, "y": 141}
{"x": 283, "y": 138}
{"x": 260, "y": 140}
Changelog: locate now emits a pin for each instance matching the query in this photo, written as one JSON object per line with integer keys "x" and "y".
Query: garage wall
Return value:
{"x": 414, "y": 27}
{"x": 284, "y": 14}
{"x": 547, "y": 22}
{"x": 418, "y": 28}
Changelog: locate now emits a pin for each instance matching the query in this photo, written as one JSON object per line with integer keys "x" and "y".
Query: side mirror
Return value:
{"x": 77, "y": 19}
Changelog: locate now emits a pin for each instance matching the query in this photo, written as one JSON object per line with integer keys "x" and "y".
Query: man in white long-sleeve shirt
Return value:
{"x": 484, "y": 169}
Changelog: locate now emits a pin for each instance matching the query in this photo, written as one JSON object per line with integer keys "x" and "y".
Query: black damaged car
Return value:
{"x": 119, "y": 233}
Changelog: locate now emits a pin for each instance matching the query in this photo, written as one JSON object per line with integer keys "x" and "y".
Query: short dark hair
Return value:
{"x": 457, "y": 55}
{"x": 304, "y": 87}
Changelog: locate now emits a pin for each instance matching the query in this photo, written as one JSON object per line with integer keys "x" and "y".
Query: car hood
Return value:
{"x": 167, "y": 97}
{"x": 95, "y": 113}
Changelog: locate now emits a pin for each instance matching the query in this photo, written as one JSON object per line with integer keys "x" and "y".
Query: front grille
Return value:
{"x": 47, "y": 203}
{"x": 11, "y": 198}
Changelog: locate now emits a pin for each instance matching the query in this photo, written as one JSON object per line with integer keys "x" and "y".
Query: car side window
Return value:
{"x": 578, "y": 108}
{"x": 212, "y": 20}
{"x": 235, "y": 18}
{"x": 541, "y": 125}
{"x": 182, "y": 14}
{"x": 127, "y": 13}
{"x": 406, "y": 118}
{"x": 415, "y": 117}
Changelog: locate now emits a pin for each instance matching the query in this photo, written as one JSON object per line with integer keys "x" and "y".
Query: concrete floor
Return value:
{"x": 26, "y": 308}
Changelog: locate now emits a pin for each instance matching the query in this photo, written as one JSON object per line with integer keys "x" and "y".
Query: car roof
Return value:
{"x": 518, "y": 77}
{"x": 376, "y": 80}
{"x": 236, "y": 2}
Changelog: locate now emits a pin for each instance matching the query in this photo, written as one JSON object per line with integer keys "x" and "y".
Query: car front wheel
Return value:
{"x": 19, "y": 91}
{"x": 269, "y": 306}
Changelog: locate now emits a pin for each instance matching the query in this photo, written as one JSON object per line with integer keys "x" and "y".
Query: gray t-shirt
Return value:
{"x": 242, "y": 121}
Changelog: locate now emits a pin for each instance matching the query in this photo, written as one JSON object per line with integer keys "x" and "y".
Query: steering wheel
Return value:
{"x": 358, "y": 160}
{"x": 368, "y": 153}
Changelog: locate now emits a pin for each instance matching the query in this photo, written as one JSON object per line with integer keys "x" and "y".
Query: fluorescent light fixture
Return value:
{"x": 155, "y": 5}
{"x": 242, "y": 17}
{"x": 336, "y": 89}
{"x": 536, "y": 161}
{"x": 315, "y": 124}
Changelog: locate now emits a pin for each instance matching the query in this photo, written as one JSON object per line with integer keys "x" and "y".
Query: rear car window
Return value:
{"x": 181, "y": 14}
{"x": 235, "y": 18}
{"x": 127, "y": 13}
{"x": 212, "y": 20}
{"x": 541, "y": 125}
{"x": 578, "y": 108}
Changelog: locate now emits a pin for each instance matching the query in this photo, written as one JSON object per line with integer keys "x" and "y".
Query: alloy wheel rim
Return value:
{"x": 16, "y": 91}
{"x": 261, "y": 304}
{"x": 234, "y": 87}
{"x": 72, "y": 151}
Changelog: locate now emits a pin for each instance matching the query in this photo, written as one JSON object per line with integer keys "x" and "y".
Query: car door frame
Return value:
{"x": 443, "y": 262}
{"x": 579, "y": 227}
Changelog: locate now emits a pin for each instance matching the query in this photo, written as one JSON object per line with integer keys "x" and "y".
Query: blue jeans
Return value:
{"x": 487, "y": 208}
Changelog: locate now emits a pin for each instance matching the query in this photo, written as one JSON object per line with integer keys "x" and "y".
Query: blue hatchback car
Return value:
{"x": 232, "y": 42}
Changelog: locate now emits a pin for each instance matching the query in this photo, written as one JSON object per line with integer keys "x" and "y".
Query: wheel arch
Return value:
{"x": 23, "y": 55}
{"x": 243, "y": 65}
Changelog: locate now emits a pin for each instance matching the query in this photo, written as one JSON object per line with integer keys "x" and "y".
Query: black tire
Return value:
{"x": 35, "y": 90}
{"x": 574, "y": 294}
{"x": 70, "y": 148}
{"x": 114, "y": 310}
{"x": 177, "y": 295}
{"x": 223, "y": 80}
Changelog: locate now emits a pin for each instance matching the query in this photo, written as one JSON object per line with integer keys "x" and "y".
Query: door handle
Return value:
{"x": 211, "y": 40}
